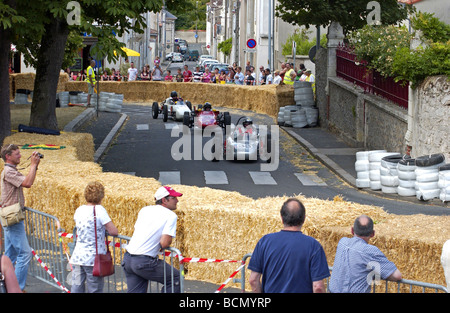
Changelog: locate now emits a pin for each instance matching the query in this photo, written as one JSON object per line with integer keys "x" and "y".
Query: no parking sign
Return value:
{"x": 251, "y": 43}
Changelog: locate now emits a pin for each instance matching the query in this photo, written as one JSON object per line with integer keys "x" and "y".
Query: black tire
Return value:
{"x": 429, "y": 160}
{"x": 187, "y": 119}
{"x": 445, "y": 167}
{"x": 189, "y": 105}
{"x": 155, "y": 110}
{"x": 165, "y": 111}
{"x": 227, "y": 118}
{"x": 409, "y": 162}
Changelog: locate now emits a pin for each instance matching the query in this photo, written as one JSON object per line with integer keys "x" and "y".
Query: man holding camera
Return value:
{"x": 12, "y": 184}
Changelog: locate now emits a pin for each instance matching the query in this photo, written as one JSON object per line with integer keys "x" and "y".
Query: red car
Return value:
{"x": 204, "y": 116}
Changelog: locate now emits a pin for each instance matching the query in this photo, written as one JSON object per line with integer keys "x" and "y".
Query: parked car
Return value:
{"x": 193, "y": 55}
{"x": 206, "y": 63}
{"x": 177, "y": 57}
{"x": 203, "y": 57}
{"x": 220, "y": 66}
{"x": 169, "y": 56}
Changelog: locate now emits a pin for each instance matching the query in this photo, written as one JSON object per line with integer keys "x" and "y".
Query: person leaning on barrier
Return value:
{"x": 153, "y": 232}
{"x": 289, "y": 261}
{"x": 84, "y": 253}
{"x": 358, "y": 264}
{"x": 13, "y": 182}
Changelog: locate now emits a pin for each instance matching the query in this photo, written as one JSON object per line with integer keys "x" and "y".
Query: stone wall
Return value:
{"x": 431, "y": 130}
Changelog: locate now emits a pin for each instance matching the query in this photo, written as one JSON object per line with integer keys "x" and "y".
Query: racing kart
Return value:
{"x": 200, "y": 118}
{"x": 247, "y": 143}
{"x": 171, "y": 108}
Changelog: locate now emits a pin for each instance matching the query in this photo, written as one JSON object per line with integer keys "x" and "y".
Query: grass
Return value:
{"x": 20, "y": 114}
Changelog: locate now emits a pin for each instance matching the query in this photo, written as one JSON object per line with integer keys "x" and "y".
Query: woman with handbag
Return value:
{"x": 90, "y": 240}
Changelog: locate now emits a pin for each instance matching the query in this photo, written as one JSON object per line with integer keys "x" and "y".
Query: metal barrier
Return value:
{"x": 53, "y": 268}
{"x": 402, "y": 286}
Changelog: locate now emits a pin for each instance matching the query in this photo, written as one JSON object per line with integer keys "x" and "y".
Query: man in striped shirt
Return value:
{"x": 357, "y": 264}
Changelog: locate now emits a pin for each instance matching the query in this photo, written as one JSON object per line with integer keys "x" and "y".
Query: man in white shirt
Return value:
{"x": 269, "y": 78}
{"x": 132, "y": 72}
{"x": 153, "y": 232}
{"x": 277, "y": 78}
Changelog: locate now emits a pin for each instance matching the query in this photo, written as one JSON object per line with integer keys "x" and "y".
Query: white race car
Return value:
{"x": 173, "y": 106}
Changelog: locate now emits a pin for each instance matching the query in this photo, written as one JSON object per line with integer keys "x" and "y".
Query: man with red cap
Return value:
{"x": 153, "y": 232}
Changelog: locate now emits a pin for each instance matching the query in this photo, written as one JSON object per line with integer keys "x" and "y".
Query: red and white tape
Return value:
{"x": 48, "y": 271}
{"x": 229, "y": 278}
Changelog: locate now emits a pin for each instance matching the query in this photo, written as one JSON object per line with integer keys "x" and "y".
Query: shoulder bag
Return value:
{"x": 103, "y": 263}
{"x": 11, "y": 214}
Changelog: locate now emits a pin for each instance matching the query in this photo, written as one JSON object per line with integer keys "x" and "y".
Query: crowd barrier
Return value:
{"x": 45, "y": 237}
{"x": 402, "y": 286}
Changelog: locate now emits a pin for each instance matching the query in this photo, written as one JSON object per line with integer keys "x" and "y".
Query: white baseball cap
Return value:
{"x": 165, "y": 191}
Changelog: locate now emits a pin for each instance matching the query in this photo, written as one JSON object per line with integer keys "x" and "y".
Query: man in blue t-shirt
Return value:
{"x": 289, "y": 261}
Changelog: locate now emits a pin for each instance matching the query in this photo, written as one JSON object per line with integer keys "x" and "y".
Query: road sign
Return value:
{"x": 251, "y": 43}
{"x": 207, "y": 47}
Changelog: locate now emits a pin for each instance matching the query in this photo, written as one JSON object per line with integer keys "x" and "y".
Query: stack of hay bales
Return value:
{"x": 220, "y": 224}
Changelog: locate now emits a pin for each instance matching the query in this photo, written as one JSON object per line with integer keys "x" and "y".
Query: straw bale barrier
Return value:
{"x": 220, "y": 224}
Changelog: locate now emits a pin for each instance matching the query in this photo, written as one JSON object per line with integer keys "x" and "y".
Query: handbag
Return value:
{"x": 11, "y": 214}
{"x": 103, "y": 263}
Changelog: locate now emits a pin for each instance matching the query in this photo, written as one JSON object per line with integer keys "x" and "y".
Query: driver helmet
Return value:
{"x": 247, "y": 122}
{"x": 207, "y": 106}
{"x": 174, "y": 95}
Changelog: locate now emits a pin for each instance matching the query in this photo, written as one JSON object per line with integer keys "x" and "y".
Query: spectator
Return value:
{"x": 288, "y": 75}
{"x": 283, "y": 70}
{"x": 114, "y": 75}
{"x": 230, "y": 76}
{"x": 277, "y": 78}
{"x": 312, "y": 79}
{"x": 216, "y": 76}
{"x": 153, "y": 232}
{"x": 179, "y": 76}
{"x": 132, "y": 72}
{"x": 206, "y": 77}
{"x": 197, "y": 75}
{"x": 248, "y": 67}
{"x": 7, "y": 271}
{"x": 187, "y": 74}
{"x": 83, "y": 255}
{"x": 269, "y": 79}
{"x": 357, "y": 262}
{"x": 262, "y": 76}
{"x": 239, "y": 77}
{"x": 445, "y": 261}
{"x": 157, "y": 61}
{"x": 157, "y": 72}
{"x": 105, "y": 76}
{"x": 145, "y": 75}
{"x": 168, "y": 77}
{"x": 249, "y": 79}
{"x": 222, "y": 77}
{"x": 289, "y": 261}
{"x": 12, "y": 184}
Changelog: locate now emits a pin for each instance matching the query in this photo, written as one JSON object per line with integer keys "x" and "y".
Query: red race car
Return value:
{"x": 204, "y": 116}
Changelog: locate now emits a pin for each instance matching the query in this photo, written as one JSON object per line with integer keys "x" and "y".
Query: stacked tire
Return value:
{"x": 427, "y": 176}
{"x": 389, "y": 173}
{"x": 406, "y": 171}
{"x": 304, "y": 97}
{"x": 362, "y": 169}
{"x": 82, "y": 98}
{"x": 280, "y": 118}
{"x": 63, "y": 99}
{"x": 114, "y": 103}
{"x": 444, "y": 182}
{"x": 21, "y": 96}
{"x": 375, "y": 166}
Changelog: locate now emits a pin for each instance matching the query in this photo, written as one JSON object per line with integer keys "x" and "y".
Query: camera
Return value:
{"x": 40, "y": 155}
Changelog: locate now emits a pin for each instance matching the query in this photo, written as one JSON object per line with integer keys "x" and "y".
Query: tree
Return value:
{"x": 43, "y": 39}
{"x": 350, "y": 15}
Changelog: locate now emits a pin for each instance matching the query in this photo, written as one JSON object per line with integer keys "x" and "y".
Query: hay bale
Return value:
{"x": 225, "y": 225}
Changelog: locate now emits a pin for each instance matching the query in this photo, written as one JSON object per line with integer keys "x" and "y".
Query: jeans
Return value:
{"x": 18, "y": 250}
{"x": 83, "y": 274}
{"x": 140, "y": 269}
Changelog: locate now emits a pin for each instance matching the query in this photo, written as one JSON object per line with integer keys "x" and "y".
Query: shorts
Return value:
{"x": 91, "y": 89}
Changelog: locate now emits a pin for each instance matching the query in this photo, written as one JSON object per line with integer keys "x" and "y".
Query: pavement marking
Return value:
{"x": 142, "y": 127}
{"x": 215, "y": 178}
{"x": 170, "y": 126}
{"x": 262, "y": 178}
{"x": 170, "y": 178}
{"x": 310, "y": 179}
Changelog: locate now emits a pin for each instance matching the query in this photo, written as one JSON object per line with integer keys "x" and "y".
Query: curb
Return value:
{"x": 107, "y": 141}
{"x": 80, "y": 120}
{"x": 322, "y": 158}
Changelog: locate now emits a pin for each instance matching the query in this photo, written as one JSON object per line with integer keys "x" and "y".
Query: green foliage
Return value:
{"x": 431, "y": 27}
{"x": 303, "y": 43}
{"x": 226, "y": 46}
{"x": 190, "y": 15}
{"x": 386, "y": 49}
{"x": 351, "y": 15}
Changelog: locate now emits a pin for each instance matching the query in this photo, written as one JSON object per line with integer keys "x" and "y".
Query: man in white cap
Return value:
{"x": 153, "y": 232}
